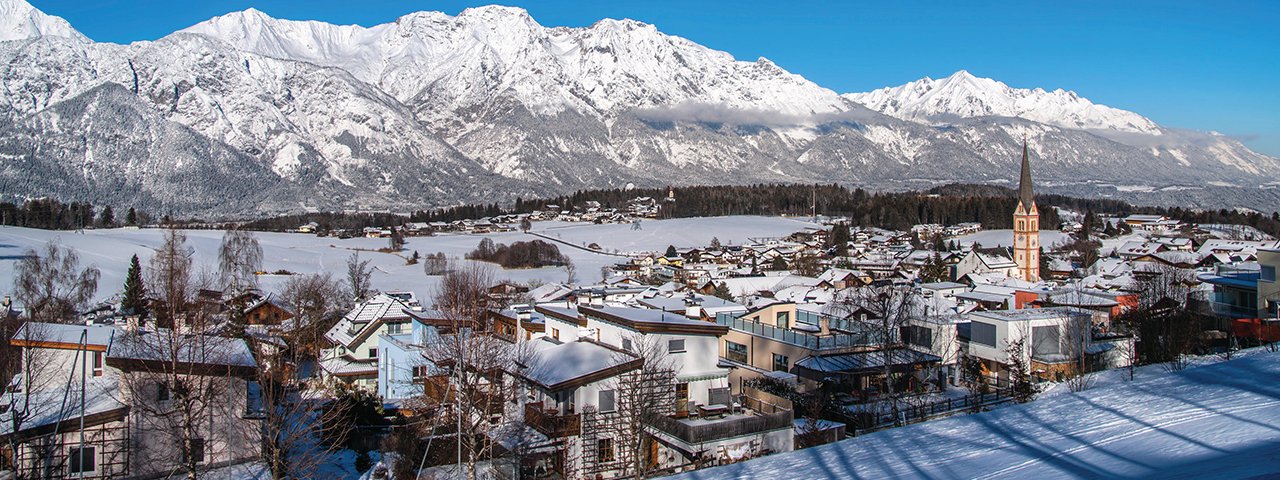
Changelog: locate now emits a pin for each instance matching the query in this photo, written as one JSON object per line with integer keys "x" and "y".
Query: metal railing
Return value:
{"x": 806, "y": 340}
{"x": 694, "y": 434}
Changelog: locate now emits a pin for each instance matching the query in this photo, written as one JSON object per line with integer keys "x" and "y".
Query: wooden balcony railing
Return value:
{"x": 552, "y": 424}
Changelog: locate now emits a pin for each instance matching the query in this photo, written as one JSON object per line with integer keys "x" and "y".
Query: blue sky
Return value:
{"x": 1188, "y": 64}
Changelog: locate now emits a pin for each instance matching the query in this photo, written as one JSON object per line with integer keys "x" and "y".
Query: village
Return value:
{"x": 675, "y": 360}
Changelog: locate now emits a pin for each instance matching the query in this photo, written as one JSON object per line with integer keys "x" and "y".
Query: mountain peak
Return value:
{"x": 964, "y": 95}
{"x": 19, "y": 20}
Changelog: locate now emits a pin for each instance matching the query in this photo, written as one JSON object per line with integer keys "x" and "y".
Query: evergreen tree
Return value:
{"x": 839, "y": 239}
{"x": 671, "y": 251}
{"x": 779, "y": 263}
{"x": 135, "y": 291}
{"x": 934, "y": 269}
{"x": 131, "y": 218}
{"x": 107, "y": 218}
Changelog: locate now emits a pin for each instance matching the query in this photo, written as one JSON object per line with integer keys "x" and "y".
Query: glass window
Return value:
{"x": 626, "y": 344}
{"x": 783, "y": 320}
{"x": 82, "y": 460}
{"x": 606, "y": 401}
{"x": 162, "y": 391}
{"x": 983, "y": 334}
{"x": 373, "y": 353}
{"x": 1046, "y": 340}
{"x": 394, "y": 328}
{"x": 780, "y": 363}
{"x": 606, "y": 450}
{"x": 196, "y": 451}
{"x": 97, "y": 364}
{"x": 735, "y": 351}
{"x": 675, "y": 346}
{"x": 1268, "y": 273}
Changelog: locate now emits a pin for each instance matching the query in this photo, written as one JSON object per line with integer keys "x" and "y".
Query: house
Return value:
{"x": 1054, "y": 341}
{"x": 813, "y": 349}
{"x": 268, "y": 311}
{"x": 405, "y": 361}
{"x": 127, "y": 379}
{"x": 994, "y": 261}
{"x": 353, "y": 358}
{"x": 580, "y": 371}
{"x": 310, "y": 227}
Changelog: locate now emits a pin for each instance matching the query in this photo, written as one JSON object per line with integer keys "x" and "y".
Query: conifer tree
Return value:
{"x": 134, "y": 290}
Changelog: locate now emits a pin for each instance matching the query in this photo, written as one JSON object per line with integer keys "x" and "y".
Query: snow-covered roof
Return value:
{"x": 48, "y": 405}
{"x": 163, "y": 345}
{"x": 556, "y": 365}
{"x": 64, "y": 335}
{"x": 366, "y": 316}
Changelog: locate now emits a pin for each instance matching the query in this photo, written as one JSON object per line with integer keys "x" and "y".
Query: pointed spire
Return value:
{"x": 1025, "y": 196}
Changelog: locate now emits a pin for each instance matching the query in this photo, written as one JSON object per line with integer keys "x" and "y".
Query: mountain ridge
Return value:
{"x": 488, "y": 105}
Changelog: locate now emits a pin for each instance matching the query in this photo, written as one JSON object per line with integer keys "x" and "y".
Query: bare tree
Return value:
{"x": 1165, "y": 330}
{"x": 642, "y": 397}
{"x": 184, "y": 390}
{"x": 1019, "y": 366}
{"x": 436, "y": 264}
{"x": 476, "y": 359}
{"x": 1077, "y": 332}
{"x": 51, "y": 285}
{"x": 239, "y": 260}
{"x": 881, "y": 312}
{"x": 293, "y": 425}
{"x": 36, "y": 372}
{"x": 358, "y": 277}
{"x": 571, "y": 272}
{"x": 317, "y": 301}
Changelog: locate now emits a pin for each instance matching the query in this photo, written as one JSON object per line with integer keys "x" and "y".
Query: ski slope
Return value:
{"x": 110, "y": 250}
{"x": 1213, "y": 421}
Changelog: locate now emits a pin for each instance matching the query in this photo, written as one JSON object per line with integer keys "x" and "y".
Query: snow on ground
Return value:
{"x": 1218, "y": 420}
{"x": 110, "y": 249}
{"x": 656, "y": 235}
{"x": 1004, "y": 238}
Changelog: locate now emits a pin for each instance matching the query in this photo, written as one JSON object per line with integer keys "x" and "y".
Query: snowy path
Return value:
{"x": 1213, "y": 421}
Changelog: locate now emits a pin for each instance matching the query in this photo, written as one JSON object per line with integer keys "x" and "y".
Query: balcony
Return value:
{"x": 694, "y": 431}
{"x": 829, "y": 343}
{"x": 552, "y": 424}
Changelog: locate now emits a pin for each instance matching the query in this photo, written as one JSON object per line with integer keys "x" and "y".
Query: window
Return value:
{"x": 162, "y": 392}
{"x": 779, "y": 363}
{"x": 1046, "y": 340}
{"x": 394, "y": 328}
{"x": 983, "y": 334}
{"x": 917, "y": 335}
{"x": 373, "y": 353}
{"x": 82, "y": 460}
{"x": 555, "y": 333}
{"x": 1021, "y": 225}
{"x": 783, "y": 320}
{"x": 1268, "y": 273}
{"x": 682, "y": 392}
{"x": 97, "y": 364}
{"x": 626, "y": 344}
{"x": 605, "y": 403}
{"x": 419, "y": 372}
{"x": 195, "y": 450}
{"x": 735, "y": 351}
{"x": 605, "y": 450}
{"x": 675, "y": 346}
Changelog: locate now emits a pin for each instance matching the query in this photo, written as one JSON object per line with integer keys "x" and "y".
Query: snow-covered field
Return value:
{"x": 1004, "y": 238}
{"x": 110, "y": 249}
{"x": 1218, "y": 420}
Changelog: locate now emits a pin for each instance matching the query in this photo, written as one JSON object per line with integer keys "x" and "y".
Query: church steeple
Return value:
{"x": 1026, "y": 225}
{"x": 1025, "y": 195}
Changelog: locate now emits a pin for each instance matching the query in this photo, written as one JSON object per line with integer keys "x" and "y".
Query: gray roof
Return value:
{"x": 862, "y": 361}
{"x": 1025, "y": 196}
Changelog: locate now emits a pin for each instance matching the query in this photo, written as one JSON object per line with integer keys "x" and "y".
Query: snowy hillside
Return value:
{"x": 248, "y": 114}
{"x": 964, "y": 95}
{"x": 1211, "y": 421}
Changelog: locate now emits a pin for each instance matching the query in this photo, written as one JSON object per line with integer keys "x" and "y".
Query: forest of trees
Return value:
{"x": 533, "y": 254}
{"x": 947, "y": 205}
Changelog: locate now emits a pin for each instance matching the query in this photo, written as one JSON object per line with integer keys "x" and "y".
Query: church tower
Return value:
{"x": 1026, "y": 226}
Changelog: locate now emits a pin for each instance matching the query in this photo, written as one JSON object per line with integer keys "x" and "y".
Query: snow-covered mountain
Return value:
{"x": 19, "y": 20}
{"x": 963, "y": 95}
{"x": 488, "y": 105}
